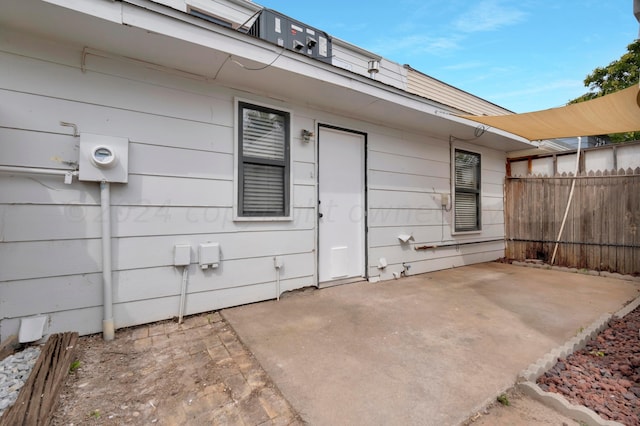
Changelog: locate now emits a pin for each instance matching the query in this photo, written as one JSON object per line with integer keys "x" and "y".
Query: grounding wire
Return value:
{"x": 260, "y": 68}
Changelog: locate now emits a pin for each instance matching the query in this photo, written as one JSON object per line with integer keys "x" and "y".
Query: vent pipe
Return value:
{"x": 374, "y": 68}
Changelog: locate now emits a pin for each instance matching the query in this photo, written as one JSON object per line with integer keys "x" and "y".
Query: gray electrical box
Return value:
{"x": 291, "y": 34}
{"x": 103, "y": 158}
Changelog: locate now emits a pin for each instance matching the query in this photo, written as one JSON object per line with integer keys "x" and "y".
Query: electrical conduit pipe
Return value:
{"x": 108, "y": 328}
{"x": 183, "y": 291}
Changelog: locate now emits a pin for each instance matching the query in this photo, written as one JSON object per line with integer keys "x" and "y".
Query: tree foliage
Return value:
{"x": 618, "y": 75}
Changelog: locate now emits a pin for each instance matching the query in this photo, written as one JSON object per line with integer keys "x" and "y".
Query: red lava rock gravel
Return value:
{"x": 605, "y": 375}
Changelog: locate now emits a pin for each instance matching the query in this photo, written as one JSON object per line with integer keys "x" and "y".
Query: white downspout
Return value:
{"x": 566, "y": 212}
{"x": 108, "y": 328}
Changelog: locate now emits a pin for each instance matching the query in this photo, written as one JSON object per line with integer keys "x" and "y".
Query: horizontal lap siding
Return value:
{"x": 180, "y": 191}
{"x": 130, "y": 285}
{"x": 67, "y": 257}
{"x": 63, "y": 222}
{"x": 139, "y": 127}
{"x": 407, "y": 174}
{"x": 436, "y": 259}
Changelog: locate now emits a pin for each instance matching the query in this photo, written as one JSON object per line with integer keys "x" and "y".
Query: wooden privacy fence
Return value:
{"x": 602, "y": 230}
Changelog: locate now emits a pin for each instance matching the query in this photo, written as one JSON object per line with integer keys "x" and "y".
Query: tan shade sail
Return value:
{"x": 615, "y": 113}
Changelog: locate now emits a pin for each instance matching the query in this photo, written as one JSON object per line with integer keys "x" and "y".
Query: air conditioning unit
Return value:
{"x": 292, "y": 35}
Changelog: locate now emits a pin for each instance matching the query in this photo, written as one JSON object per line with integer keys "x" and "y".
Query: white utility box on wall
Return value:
{"x": 182, "y": 255}
{"x": 103, "y": 158}
{"x": 209, "y": 255}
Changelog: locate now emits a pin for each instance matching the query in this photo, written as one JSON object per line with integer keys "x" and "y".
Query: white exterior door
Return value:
{"x": 341, "y": 209}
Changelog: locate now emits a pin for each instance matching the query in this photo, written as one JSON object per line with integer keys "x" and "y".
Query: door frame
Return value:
{"x": 366, "y": 206}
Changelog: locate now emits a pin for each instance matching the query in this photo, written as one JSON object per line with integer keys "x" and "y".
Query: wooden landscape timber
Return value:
{"x": 39, "y": 396}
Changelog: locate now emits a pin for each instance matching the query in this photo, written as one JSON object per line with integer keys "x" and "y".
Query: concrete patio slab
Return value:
{"x": 429, "y": 349}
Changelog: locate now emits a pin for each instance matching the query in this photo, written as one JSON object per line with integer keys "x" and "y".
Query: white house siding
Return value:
{"x": 431, "y": 88}
{"x": 356, "y": 59}
{"x": 407, "y": 173}
{"x": 181, "y": 191}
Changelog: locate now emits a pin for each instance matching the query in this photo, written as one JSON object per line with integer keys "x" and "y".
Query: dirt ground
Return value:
{"x": 169, "y": 374}
{"x": 106, "y": 386}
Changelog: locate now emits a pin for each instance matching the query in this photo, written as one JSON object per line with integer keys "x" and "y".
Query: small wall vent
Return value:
{"x": 292, "y": 35}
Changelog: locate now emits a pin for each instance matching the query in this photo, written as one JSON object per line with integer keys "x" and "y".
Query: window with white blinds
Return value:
{"x": 263, "y": 169}
{"x": 467, "y": 191}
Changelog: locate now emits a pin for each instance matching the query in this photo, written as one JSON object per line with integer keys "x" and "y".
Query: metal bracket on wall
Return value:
{"x": 75, "y": 128}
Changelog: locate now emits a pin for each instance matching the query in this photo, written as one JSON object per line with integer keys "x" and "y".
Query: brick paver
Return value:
{"x": 216, "y": 380}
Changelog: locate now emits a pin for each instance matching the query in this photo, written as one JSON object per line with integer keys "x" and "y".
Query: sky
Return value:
{"x": 524, "y": 55}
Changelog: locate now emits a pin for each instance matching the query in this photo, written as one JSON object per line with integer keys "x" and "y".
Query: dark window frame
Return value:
{"x": 244, "y": 161}
{"x": 465, "y": 191}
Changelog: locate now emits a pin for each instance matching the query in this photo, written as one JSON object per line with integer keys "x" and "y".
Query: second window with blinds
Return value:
{"x": 467, "y": 191}
{"x": 263, "y": 162}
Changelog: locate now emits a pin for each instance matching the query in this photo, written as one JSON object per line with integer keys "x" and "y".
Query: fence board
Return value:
{"x": 602, "y": 228}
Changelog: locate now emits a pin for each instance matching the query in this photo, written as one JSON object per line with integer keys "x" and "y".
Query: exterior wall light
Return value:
{"x": 307, "y": 135}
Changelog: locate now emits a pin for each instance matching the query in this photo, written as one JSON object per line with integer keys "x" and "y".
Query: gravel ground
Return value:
{"x": 605, "y": 375}
{"x": 14, "y": 372}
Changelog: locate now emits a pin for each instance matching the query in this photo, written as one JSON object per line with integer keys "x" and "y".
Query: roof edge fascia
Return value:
{"x": 358, "y": 81}
{"x": 353, "y": 81}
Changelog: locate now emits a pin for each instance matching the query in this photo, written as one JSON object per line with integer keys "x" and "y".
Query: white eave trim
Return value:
{"x": 356, "y": 49}
{"x": 311, "y": 66}
{"x": 153, "y": 17}
{"x": 247, "y": 4}
{"x": 107, "y": 10}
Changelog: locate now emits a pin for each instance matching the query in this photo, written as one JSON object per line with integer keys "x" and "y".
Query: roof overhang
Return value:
{"x": 153, "y": 34}
{"x": 618, "y": 112}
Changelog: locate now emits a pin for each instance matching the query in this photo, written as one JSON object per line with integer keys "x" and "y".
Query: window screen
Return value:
{"x": 263, "y": 162}
{"x": 467, "y": 191}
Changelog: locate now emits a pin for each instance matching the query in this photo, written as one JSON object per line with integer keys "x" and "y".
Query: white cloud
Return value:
{"x": 533, "y": 97}
{"x": 488, "y": 15}
{"x": 547, "y": 87}
{"x": 411, "y": 37}
{"x": 464, "y": 66}
{"x": 413, "y": 44}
